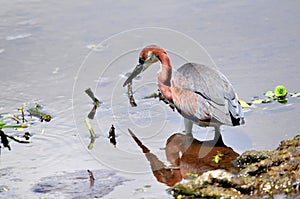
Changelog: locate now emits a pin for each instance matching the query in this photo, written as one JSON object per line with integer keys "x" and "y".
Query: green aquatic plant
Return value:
{"x": 279, "y": 94}
{"x": 262, "y": 174}
{"x": 269, "y": 94}
{"x": 36, "y": 111}
{"x": 280, "y": 91}
{"x": 19, "y": 126}
{"x": 19, "y": 122}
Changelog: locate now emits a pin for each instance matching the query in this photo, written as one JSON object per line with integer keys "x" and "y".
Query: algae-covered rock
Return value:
{"x": 262, "y": 173}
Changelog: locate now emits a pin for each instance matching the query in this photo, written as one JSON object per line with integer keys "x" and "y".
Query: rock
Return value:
{"x": 261, "y": 174}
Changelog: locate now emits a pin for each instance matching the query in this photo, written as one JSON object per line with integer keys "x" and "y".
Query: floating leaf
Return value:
{"x": 55, "y": 70}
{"x": 257, "y": 101}
{"x": 1, "y": 124}
{"x": 269, "y": 94}
{"x": 295, "y": 94}
{"x": 244, "y": 104}
{"x": 95, "y": 47}
{"x": 5, "y": 189}
{"x": 266, "y": 101}
{"x": 280, "y": 91}
{"x": 91, "y": 46}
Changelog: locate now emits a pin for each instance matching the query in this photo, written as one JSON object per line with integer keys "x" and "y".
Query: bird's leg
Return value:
{"x": 188, "y": 125}
{"x": 218, "y": 137}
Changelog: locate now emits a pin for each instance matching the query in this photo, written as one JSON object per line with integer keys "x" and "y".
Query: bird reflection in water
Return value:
{"x": 197, "y": 158}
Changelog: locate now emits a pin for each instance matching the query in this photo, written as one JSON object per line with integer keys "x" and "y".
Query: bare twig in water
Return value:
{"x": 130, "y": 95}
{"x": 92, "y": 179}
{"x": 112, "y": 135}
{"x": 96, "y": 103}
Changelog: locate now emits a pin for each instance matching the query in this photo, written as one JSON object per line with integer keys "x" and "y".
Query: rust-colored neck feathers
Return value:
{"x": 165, "y": 74}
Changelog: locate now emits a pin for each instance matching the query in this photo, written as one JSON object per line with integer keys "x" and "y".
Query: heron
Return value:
{"x": 200, "y": 93}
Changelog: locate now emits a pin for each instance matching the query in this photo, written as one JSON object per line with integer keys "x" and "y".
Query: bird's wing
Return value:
{"x": 215, "y": 93}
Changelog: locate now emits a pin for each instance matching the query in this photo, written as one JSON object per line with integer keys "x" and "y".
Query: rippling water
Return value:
{"x": 52, "y": 51}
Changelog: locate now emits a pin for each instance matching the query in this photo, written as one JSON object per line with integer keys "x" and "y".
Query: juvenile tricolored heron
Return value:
{"x": 201, "y": 94}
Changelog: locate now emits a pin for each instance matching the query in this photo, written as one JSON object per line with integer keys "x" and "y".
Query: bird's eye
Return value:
{"x": 141, "y": 60}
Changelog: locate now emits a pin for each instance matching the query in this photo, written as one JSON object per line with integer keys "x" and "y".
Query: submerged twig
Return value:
{"x": 93, "y": 135}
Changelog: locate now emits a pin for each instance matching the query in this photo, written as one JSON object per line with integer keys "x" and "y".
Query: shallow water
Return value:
{"x": 51, "y": 52}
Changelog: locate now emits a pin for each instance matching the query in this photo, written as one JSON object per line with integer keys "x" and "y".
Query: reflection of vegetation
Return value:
{"x": 92, "y": 133}
{"x": 92, "y": 179}
{"x": 112, "y": 136}
{"x": 4, "y": 140}
{"x": 261, "y": 173}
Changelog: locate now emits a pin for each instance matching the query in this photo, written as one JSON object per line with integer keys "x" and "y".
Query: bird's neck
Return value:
{"x": 164, "y": 76}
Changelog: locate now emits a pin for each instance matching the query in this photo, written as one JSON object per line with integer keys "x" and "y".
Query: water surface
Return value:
{"x": 47, "y": 56}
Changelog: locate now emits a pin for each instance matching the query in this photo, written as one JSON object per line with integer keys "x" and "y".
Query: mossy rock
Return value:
{"x": 262, "y": 173}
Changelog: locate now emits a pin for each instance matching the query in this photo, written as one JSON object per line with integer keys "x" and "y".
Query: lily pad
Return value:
{"x": 269, "y": 94}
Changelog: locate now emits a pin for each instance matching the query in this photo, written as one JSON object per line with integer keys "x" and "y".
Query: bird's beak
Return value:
{"x": 137, "y": 70}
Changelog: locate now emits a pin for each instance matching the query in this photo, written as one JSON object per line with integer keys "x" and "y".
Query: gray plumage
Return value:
{"x": 213, "y": 94}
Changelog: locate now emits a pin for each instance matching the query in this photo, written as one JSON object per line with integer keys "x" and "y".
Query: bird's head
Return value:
{"x": 148, "y": 56}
